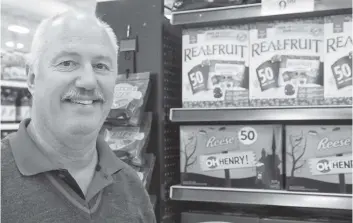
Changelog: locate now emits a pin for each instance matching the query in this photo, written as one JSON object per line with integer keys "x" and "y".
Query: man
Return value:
{"x": 57, "y": 168}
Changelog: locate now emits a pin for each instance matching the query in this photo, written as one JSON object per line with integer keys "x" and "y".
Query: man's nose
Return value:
{"x": 87, "y": 78}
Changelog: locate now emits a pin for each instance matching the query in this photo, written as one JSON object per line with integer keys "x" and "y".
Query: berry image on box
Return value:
{"x": 319, "y": 158}
{"x": 215, "y": 67}
{"x": 286, "y": 63}
{"x": 231, "y": 156}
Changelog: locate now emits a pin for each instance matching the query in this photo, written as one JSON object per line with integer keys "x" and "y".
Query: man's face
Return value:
{"x": 73, "y": 89}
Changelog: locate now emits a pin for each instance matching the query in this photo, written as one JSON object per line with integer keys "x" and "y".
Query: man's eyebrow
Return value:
{"x": 71, "y": 53}
{"x": 65, "y": 53}
{"x": 103, "y": 57}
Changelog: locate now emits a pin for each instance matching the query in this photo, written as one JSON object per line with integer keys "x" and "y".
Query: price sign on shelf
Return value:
{"x": 275, "y": 7}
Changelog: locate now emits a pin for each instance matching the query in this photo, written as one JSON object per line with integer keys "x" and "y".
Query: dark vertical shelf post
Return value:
{"x": 159, "y": 53}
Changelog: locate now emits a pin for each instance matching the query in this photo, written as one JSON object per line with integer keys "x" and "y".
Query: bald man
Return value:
{"x": 56, "y": 168}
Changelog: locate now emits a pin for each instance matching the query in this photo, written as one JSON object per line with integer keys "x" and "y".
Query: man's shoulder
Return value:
{"x": 129, "y": 175}
{"x": 135, "y": 193}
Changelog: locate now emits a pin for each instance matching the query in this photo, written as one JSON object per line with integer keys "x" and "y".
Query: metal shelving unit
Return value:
{"x": 253, "y": 11}
{"x": 204, "y": 196}
{"x": 262, "y": 197}
{"x": 12, "y": 126}
{"x": 260, "y": 114}
{"x": 15, "y": 84}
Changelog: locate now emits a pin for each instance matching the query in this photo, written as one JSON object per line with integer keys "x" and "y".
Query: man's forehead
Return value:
{"x": 72, "y": 30}
{"x": 76, "y": 24}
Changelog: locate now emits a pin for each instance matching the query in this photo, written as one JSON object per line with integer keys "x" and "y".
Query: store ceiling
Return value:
{"x": 28, "y": 13}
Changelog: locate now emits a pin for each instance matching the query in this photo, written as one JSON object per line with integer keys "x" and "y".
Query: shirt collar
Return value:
{"x": 31, "y": 161}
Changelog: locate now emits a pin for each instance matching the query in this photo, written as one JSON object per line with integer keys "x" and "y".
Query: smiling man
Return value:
{"x": 56, "y": 168}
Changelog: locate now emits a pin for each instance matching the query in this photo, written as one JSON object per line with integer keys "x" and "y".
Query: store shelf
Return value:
{"x": 15, "y": 84}
{"x": 262, "y": 197}
{"x": 252, "y": 11}
{"x": 259, "y": 114}
{"x": 12, "y": 126}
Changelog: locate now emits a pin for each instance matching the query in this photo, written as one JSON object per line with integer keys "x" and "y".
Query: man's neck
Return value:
{"x": 75, "y": 157}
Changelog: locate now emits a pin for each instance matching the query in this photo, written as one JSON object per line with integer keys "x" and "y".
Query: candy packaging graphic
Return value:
{"x": 130, "y": 96}
{"x": 215, "y": 67}
{"x": 319, "y": 158}
{"x": 231, "y": 156}
{"x": 338, "y": 60}
{"x": 286, "y": 63}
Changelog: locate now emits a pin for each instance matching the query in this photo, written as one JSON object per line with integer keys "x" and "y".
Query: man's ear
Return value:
{"x": 30, "y": 79}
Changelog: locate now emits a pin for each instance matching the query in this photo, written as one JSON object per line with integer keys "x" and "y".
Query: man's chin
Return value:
{"x": 79, "y": 128}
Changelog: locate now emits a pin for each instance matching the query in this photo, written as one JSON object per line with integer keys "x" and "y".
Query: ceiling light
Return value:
{"x": 18, "y": 29}
{"x": 10, "y": 44}
{"x": 19, "y": 45}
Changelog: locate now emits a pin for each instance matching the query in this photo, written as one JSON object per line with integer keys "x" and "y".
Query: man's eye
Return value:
{"x": 101, "y": 66}
{"x": 66, "y": 66}
{"x": 67, "y": 63}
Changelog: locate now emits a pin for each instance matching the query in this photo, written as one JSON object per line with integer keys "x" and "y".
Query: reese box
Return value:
{"x": 231, "y": 156}
{"x": 319, "y": 158}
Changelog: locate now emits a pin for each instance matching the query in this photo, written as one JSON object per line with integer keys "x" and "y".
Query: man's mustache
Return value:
{"x": 76, "y": 94}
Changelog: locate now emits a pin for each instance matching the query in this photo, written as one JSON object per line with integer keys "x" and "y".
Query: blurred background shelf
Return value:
{"x": 253, "y": 12}
{"x": 9, "y": 126}
{"x": 15, "y": 84}
{"x": 261, "y": 197}
{"x": 260, "y": 114}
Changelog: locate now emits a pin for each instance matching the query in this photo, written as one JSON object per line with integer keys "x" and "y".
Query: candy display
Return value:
{"x": 5, "y": 133}
{"x": 232, "y": 156}
{"x": 130, "y": 96}
{"x": 286, "y": 60}
{"x": 13, "y": 66}
{"x": 24, "y": 106}
{"x": 338, "y": 60}
{"x": 128, "y": 142}
{"x": 319, "y": 158}
{"x": 8, "y": 104}
{"x": 215, "y": 67}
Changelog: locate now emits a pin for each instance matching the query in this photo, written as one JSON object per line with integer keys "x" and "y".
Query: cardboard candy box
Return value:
{"x": 286, "y": 63}
{"x": 215, "y": 67}
{"x": 231, "y": 156}
{"x": 338, "y": 60}
{"x": 319, "y": 158}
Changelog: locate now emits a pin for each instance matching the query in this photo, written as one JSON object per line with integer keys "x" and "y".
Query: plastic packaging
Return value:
{"x": 129, "y": 143}
{"x": 130, "y": 96}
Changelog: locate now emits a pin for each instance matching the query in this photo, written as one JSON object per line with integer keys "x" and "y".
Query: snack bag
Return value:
{"x": 148, "y": 169}
{"x": 130, "y": 96}
{"x": 145, "y": 171}
{"x": 135, "y": 120}
{"x": 128, "y": 143}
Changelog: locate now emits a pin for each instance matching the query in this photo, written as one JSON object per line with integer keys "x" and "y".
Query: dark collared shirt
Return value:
{"x": 35, "y": 190}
